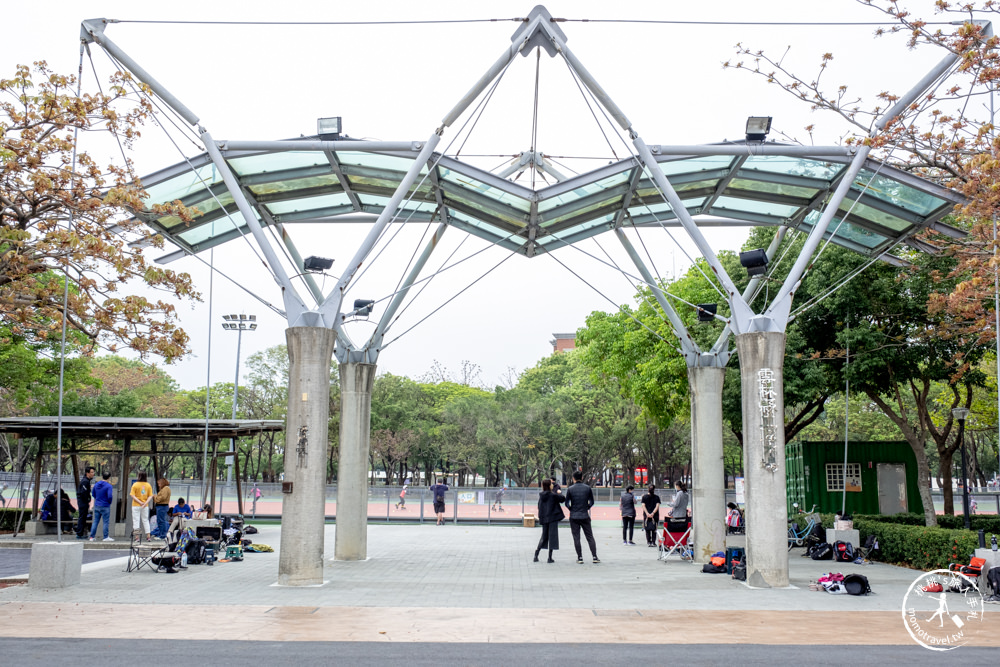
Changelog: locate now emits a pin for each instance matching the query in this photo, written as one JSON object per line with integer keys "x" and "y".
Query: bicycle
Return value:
{"x": 798, "y": 537}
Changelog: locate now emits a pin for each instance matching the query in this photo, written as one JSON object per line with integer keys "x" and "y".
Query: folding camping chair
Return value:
{"x": 676, "y": 539}
{"x": 141, "y": 554}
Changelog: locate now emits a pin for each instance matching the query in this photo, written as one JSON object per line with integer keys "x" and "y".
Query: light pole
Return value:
{"x": 960, "y": 414}
{"x": 239, "y": 324}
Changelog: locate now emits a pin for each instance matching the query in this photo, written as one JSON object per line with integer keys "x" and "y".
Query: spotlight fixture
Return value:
{"x": 328, "y": 126}
{"x": 314, "y": 263}
{"x": 363, "y": 307}
{"x": 707, "y": 311}
{"x": 758, "y": 127}
{"x": 754, "y": 261}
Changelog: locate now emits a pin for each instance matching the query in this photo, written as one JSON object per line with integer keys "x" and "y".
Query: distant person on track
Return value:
{"x": 627, "y": 508}
{"x": 650, "y": 515}
{"x": 498, "y": 499}
{"x": 438, "y": 492}
{"x": 579, "y": 500}
{"x": 401, "y": 504}
{"x": 549, "y": 516}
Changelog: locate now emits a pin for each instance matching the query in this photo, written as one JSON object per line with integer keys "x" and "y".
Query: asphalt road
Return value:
{"x": 109, "y": 652}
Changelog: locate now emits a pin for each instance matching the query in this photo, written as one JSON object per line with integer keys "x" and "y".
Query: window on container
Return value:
{"x": 835, "y": 477}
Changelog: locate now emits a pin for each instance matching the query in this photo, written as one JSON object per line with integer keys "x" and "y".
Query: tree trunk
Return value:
{"x": 945, "y": 463}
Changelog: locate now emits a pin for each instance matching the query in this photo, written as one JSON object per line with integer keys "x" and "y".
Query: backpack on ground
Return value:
{"x": 196, "y": 551}
{"x": 250, "y": 530}
{"x": 843, "y": 552}
{"x": 822, "y": 551}
{"x": 856, "y": 584}
{"x": 713, "y": 569}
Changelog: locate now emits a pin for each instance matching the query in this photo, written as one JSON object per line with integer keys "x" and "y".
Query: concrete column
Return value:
{"x": 762, "y": 356}
{"x": 300, "y": 558}
{"x": 55, "y": 564}
{"x": 351, "y": 541}
{"x": 708, "y": 492}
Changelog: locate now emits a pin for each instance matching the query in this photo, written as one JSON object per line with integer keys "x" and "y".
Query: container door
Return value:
{"x": 892, "y": 488}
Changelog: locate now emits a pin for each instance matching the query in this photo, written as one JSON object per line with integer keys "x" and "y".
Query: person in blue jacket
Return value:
{"x": 102, "y": 492}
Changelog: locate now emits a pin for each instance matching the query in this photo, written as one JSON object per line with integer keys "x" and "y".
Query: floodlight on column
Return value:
{"x": 758, "y": 127}
{"x": 330, "y": 125}
{"x": 363, "y": 307}
{"x": 314, "y": 263}
{"x": 707, "y": 311}
{"x": 754, "y": 261}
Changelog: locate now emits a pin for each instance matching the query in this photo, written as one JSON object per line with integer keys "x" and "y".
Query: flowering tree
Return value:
{"x": 64, "y": 214}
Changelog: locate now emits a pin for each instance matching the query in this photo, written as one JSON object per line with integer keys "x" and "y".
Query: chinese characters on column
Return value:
{"x": 767, "y": 400}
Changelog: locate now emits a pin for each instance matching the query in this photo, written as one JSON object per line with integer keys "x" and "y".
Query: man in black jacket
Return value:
{"x": 579, "y": 500}
{"x": 83, "y": 502}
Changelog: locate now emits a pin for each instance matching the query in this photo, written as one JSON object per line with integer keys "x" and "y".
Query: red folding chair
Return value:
{"x": 676, "y": 539}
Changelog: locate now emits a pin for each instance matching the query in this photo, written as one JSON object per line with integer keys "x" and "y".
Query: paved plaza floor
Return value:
{"x": 458, "y": 584}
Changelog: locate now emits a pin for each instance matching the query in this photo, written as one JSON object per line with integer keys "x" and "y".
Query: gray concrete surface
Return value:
{"x": 478, "y": 566}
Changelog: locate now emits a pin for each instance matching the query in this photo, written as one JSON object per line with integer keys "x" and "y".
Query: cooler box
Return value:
{"x": 529, "y": 520}
{"x": 734, "y": 554}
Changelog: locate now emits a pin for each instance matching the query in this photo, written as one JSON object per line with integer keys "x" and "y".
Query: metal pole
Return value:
{"x": 965, "y": 475}
{"x": 847, "y": 416}
{"x": 236, "y": 389}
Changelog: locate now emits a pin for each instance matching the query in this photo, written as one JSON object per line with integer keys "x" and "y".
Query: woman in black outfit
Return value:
{"x": 627, "y": 508}
{"x": 549, "y": 515}
{"x": 650, "y": 515}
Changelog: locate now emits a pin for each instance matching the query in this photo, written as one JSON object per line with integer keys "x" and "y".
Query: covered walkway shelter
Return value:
{"x": 138, "y": 437}
{"x": 263, "y": 188}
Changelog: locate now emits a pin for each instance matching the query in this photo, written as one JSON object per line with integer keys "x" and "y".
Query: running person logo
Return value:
{"x": 943, "y": 610}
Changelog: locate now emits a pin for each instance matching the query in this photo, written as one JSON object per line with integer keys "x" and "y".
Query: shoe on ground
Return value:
{"x": 550, "y": 561}
{"x": 90, "y": 539}
{"x": 535, "y": 559}
{"x": 108, "y": 539}
{"x": 624, "y": 543}
{"x": 579, "y": 561}
{"x": 631, "y": 543}
{"x": 596, "y": 560}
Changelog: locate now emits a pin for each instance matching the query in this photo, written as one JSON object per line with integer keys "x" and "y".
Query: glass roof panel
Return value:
{"x": 556, "y": 238}
{"x": 501, "y": 213}
{"x": 876, "y": 216}
{"x": 268, "y": 162}
{"x": 471, "y": 183}
{"x": 488, "y": 231}
{"x": 308, "y": 203}
{"x": 405, "y": 208}
{"x": 181, "y": 186}
{"x": 894, "y": 192}
{"x": 212, "y": 229}
{"x": 290, "y": 186}
{"x": 369, "y": 183}
{"x": 390, "y": 162}
{"x": 847, "y": 231}
{"x": 585, "y": 190}
{"x": 766, "y": 208}
{"x": 793, "y": 166}
{"x": 751, "y": 186}
{"x": 693, "y": 164}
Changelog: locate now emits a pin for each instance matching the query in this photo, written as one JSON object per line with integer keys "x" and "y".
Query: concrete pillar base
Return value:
{"x": 708, "y": 493}
{"x": 762, "y": 357}
{"x": 300, "y": 556}
{"x": 55, "y": 564}
{"x": 351, "y": 536}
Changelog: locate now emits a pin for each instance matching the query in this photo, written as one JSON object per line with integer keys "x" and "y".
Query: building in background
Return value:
{"x": 563, "y": 341}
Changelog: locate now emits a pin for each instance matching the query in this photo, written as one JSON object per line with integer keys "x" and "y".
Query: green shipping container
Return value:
{"x": 880, "y": 478}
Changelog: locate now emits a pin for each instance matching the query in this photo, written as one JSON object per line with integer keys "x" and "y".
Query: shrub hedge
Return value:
{"x": 8, "y": 517}
{"x": 905, "y": 540}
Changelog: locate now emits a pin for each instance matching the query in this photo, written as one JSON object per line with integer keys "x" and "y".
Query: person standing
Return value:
{"x": 438, "y": 492}
{"x": 679, "y": 505}
{"x": 142, "y": 494}
{"x": 627, "y": 508}
{"x": 549, "y": 516}
{"x": 103, "y": 493}
{"x": 579, "y": 500}
{"x": 650, "y": 515}
{"x": 162, "y": 502}
{"x": 498, "y": 499}
{"x": 83, "y": 502}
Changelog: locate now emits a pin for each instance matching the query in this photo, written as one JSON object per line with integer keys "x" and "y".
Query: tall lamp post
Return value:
{"x": 239, "y": 324}
{"x": 960, "y": 414}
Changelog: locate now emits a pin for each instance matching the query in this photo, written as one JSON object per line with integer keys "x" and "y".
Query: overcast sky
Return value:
{"x": 396, "y": 82}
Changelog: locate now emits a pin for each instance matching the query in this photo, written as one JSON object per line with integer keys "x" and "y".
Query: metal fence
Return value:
{"x": 469, "y": 504}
